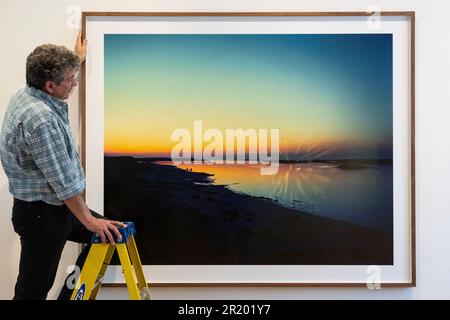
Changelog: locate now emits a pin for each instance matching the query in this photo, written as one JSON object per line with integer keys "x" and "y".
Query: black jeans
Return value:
{"x": 44, "y": 230}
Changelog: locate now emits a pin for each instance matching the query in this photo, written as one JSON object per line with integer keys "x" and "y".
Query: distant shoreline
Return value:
{"x": 340, "y": 161}
{"x": 344, "y": 164}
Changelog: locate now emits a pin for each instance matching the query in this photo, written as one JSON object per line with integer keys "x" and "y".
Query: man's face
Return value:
{"x": 64, "y": 89}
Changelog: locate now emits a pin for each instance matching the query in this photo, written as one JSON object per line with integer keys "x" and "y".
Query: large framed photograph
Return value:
{"x": 255, "y": 149}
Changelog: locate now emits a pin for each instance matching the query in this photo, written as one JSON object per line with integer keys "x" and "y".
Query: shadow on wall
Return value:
{"x": 9, "y": 242}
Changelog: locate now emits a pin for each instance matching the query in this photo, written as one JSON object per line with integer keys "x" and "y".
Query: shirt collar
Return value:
{"x": 55, "y": 102}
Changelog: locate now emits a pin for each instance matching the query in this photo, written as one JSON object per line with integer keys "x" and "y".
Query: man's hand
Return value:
{"x": 104, "y": 227}
{"x": 81, "y": 48}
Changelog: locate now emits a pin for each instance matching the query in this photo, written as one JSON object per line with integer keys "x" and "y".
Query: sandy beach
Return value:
{"x": 182, "y": 219}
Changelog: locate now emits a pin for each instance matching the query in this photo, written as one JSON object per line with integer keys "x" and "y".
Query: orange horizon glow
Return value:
{"x": 292, "y": 145}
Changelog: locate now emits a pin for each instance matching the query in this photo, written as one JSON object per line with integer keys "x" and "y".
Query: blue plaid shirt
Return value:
{"x": 37, "y": 149}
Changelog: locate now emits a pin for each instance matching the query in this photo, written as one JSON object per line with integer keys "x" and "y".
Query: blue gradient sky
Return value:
{"x": 330, "y": 95}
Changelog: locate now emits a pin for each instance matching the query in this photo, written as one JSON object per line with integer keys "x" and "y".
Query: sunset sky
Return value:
{"x": 330, "y": 95}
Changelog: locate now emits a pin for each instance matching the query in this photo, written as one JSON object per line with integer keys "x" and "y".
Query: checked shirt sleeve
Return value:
{"x": 49, "y": 149}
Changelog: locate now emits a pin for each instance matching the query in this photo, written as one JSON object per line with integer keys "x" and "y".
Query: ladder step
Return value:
{"x": 126, "y": 233}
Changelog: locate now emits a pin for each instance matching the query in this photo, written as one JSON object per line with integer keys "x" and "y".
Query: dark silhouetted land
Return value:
{"x": 182, "y": 218}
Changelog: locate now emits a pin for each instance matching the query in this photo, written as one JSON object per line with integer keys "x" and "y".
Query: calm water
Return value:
{"x": 360, "y": 196}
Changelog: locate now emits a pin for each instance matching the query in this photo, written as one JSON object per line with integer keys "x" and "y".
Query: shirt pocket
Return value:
{"x": 20, "y": 147}
{"x": 67, "y": 138}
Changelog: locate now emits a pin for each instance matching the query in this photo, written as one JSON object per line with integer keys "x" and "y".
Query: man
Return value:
{"x": 45, "y": 176}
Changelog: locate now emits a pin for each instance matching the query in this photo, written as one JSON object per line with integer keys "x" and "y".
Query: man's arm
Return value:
{"x": 103, "y": 227}
{"x": 81, "y": 48}
{"x": 76, "y": 204}
{"x": 49, "y": 151}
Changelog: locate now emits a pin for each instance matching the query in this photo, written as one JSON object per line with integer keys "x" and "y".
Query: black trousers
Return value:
{"x": 44, "y": 230}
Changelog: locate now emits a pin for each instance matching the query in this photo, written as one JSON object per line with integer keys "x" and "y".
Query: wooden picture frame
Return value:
{"x": 401, "y": 25}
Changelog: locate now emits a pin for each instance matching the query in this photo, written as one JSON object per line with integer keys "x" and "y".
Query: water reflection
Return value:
{"x": 361, "y": 196}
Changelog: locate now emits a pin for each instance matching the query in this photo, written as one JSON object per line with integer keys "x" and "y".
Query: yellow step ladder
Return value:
{"x": 98, "y": 259}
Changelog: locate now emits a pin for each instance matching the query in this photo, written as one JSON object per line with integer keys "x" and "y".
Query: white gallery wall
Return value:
{"x": 27, "y": 24}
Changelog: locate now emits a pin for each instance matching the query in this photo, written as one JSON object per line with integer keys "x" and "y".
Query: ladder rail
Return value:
{"x": 102, "y": 272}
{"x": 87, "y": 280}
{"x": 136, "y": 261}
{"x": 128, "y": 273}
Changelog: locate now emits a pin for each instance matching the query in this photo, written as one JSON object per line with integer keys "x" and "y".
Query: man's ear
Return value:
{"x": 49, "y": 87}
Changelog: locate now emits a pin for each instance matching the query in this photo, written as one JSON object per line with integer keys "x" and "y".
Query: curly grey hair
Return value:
{"x": 49, "y": 62}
